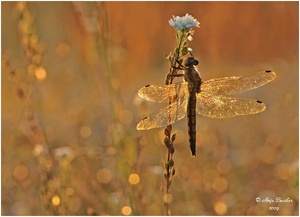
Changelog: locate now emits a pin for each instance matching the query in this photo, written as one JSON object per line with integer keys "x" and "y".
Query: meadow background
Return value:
{"x": 70, "y": 75}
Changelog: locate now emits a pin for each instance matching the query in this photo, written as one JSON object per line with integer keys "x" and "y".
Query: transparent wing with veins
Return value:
{"x": 216, "y": 106}
{"x": 211, "y": 103}
{"x": 177, "y": 94}
{"x": 164, "y": 93}
{"x": 237, "y": 84}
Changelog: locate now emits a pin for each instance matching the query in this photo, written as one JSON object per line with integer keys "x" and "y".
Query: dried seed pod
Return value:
{"x": 167, "y": 133}
{"x": 172, "y": 149}
{"x": 171, "y": 163}
{"x": 167, "y": 141}
{"x": 173, "y": 137}
{"x": 173, "y": 172}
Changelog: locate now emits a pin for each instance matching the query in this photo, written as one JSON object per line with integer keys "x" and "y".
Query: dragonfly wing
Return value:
{"x": 168, "y": 115}
{"x": 163, "y": 93}
{"x": 237, "y": 84}
{"x": 216, "y": 106}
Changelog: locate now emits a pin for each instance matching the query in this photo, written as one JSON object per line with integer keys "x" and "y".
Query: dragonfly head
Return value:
{"x": 191, "y": 61}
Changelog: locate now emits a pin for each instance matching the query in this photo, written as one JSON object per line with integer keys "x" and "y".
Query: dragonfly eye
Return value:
{"x": 191, "y": 61}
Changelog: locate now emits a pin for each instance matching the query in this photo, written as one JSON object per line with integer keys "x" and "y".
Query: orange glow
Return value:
{"x": 40, "y": 73}
{"x": 220, "y": 208}
{"x": 69, "y": 191}
{"x": 21, "y": 6}
{"x": 134, "y": 179}
{"x": 168, "y": 198}
{"x": 223, "y": 166}
{"x": 104, "y": 175}
{"x": 282, "y": 171}
{"x": 37, "y": 58}
{"x": 56, "y": 200}
{"x": 62, "y": 49}
{"x": 126, "y": 210}
{"x": 220, "y": 184}
{"x": 85, "y": 132}
{"x": 70, "y": 108}
{"x": 20, "y": 172}
{"x": 269, "y": 155}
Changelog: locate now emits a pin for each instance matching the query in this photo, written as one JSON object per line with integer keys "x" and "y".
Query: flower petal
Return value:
{"x": 185, "y": 22}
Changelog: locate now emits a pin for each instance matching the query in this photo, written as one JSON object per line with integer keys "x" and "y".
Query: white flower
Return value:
{"x": 185, "y": 22}
{"x": 64, "y": 151}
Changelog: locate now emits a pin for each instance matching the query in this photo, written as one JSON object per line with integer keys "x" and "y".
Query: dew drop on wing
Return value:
{"x": 268, "y": 71}
{"x": 258, "y": 101}
{"x": 147, "y": 85}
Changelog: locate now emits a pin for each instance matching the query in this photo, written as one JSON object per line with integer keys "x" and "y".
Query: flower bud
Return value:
{"x": 167, "y": 133}
{"x": 172, "y": 149}
{"x": 171, "y": 163}
{"x": 173, "y": 137}
{"x": 167, "y": 141}
{"x": 173, "y": 172}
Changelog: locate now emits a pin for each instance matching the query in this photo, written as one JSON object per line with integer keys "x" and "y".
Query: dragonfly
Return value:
{"x": 209, "y": 98}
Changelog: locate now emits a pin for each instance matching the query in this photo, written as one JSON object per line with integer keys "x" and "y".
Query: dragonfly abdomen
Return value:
{"x": 191, "y": 119}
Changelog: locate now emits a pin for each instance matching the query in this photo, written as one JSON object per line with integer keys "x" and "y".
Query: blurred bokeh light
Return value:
{"x": 70, "y": 76}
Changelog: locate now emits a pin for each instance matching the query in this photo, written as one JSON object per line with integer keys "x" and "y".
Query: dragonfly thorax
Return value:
{"x": 191, "y": 75}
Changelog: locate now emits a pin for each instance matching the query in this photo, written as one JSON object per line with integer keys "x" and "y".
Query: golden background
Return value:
{"x": 70, "y": 76}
